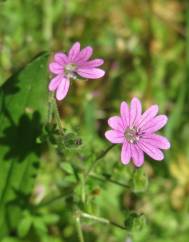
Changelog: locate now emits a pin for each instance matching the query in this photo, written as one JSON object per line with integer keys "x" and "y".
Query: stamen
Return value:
{"x": 69, "y": 71}
{"x": 132, "y": 135}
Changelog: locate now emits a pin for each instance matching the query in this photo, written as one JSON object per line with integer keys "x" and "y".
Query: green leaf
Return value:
{"x": 23, "y": 111}
{"x": 39, "y": 226}
{"x": 50, "y": 218}
{"x": 67, "y": 168}
{"x": 24, "y": 226}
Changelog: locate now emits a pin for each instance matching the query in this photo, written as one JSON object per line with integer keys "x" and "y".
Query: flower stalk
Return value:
{"x": 79, "y": 229}
{"x": 101, "y": 220}
{"x": 57, "y": 117}
{"x": 50, "y": 107}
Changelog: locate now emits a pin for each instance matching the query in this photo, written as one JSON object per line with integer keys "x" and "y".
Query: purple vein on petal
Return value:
{"x": 91, "y": 73}
{"x": 148, "y": 115}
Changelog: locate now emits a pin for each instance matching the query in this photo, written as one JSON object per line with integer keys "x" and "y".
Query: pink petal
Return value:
{"x": 148, "y": 115}
{"x": 92, "y": 63}
{"x": 62, "y": 89}
{"x": 126, "y": 153}
{"x": 84, "y": 55}
{"x": 124, "y": 110}
{"x": 61, "y": 58}
{"x": 156, "y": 140}
{"x": 55, "y": 82}
{"x": 150, "y": 150}
{"x": 56, "y": 68}
{"x": 91, "y": 73}
{"x": 135, "y": 111}
{"x": 155, "y": 124}
{"x": 114, "y": 136}
{"x": 137, "y": 155}
{"x": 116, "y": 123}
{"x": 74, "y": 51}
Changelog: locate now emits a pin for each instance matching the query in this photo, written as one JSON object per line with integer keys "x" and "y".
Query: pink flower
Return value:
{"x": 136, "y": 132}
{"x": 67, "y": 67}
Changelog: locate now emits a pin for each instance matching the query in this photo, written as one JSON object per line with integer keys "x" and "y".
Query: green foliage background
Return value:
{"x": 145, "y": 44}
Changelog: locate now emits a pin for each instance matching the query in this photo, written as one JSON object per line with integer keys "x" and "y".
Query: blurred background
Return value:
{"x": 144, "y": 44}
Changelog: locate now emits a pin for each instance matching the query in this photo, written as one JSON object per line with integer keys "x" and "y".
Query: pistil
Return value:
{"x": 69, "y": 71}
{"x": 132, "y": 135}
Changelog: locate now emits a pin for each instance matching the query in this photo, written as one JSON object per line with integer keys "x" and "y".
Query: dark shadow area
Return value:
{"x": 21, "y": 138}
{"x": 19, "y": 130}
{"x": 20, "y": 203}
{"x": 10, "y": 87}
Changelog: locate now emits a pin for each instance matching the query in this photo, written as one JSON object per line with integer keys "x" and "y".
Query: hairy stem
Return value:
{"x": 95, "y": 218}
{"x": 104, "y": 179}
{"x": 83, "y": 196}
{"x": 50, "y": 107}
{"x": 57, "y": 117}
{"x": 79, "y": 229}
{"x": 101, "y": 220}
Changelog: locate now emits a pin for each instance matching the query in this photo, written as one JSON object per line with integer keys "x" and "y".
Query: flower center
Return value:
{"x": 69, "y": 70}
{"x": 132, "y": 135}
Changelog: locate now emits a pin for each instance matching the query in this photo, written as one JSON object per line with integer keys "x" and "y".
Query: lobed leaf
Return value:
{"x": 23, "y": 111}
